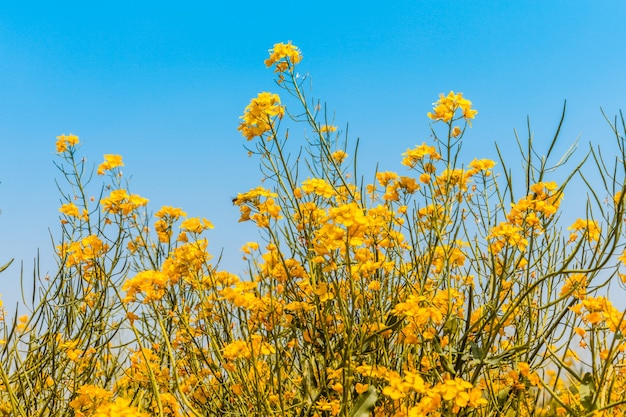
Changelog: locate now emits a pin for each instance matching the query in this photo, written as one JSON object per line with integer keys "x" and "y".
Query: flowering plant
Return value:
{"x": 449, "y": 288}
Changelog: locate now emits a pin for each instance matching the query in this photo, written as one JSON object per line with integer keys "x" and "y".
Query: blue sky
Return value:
{"x": 163, "y": 84}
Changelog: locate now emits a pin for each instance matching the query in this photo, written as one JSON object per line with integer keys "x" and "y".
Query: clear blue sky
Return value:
{"x": 163, "y": 84}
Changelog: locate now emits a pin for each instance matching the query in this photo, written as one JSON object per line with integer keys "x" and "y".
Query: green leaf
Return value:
{"x": 587, "y": 392}
{"x": 451, "y": 326}
{"x": 365, "y": 403}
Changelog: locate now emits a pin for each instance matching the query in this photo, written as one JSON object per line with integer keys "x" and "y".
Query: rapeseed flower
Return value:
{"x": 284, "y": 55}
{"x": 339, "y": 156}
{"x": 319, "y": 187}
{"x": 445, "y": 108}
{"x": 482, "y": 165}
{"x": 65, "y": 141}
{"x": 415, "y": 155}
{"x": 170, "y": 212}
{"x": 591, "y": 230}
{"x": 196, "y": 225}
{"x": 71, "y": 210}
{"x": 258, "y": 117}
{"x": 119, "y": 408}
{"x": 327, "y": 129}
{"x": 506, "y": 234}
{"x": 110, "y": 162}
{"x": 120, "y": 202}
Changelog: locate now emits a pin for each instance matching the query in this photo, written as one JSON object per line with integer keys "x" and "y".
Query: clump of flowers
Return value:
{"x": 284, "y": 56}
{"x": 65, "y": 141}
{"x": 446, "y": 107}
{"x": 260, "y": 115}
{"x": 110, "y": 162}
{"x": 449, "y": 289}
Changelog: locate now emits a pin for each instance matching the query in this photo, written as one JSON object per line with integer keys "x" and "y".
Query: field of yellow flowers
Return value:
{"x": 450, "y": 288}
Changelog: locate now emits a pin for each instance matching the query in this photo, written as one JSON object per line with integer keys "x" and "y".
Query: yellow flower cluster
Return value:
{"x": 413, "y": 156}
{"x": 445, "y": 108}
{"x": 110, "y": 162}
{"x": 260, "y": 114}
{"x": 241, "y": 349}
{"x": 65, "y": 141}
{"x": 151, "y": 283}
{"x": 450, "y": 179}
{"x": 187, "y": 261}
{"x": 92, "y": 401}
{"x": 599, "y": 309}
{"x": 71, "y": 210}
{"x": 318, "y": 187}
{"x": 456, "y": 392}
{"x": 591, "y": 230}
{"x": 86, "y": 251}
{"x": 327, "y": 129}
{"x": 544, "y": 199}
{"x": 167, "y": 215}
{"x": 507, "y": 234}
{"x": 576, "y": 284}
{"x": 118, "y": 408}
{"x": 284, "y": 55}
{"x": 483, "y": 165}
{"x": 196, "y": 225}
{"x": 120, "y": 202}
{"x": 259, "y": 206}
{"x": 339, "y": 156}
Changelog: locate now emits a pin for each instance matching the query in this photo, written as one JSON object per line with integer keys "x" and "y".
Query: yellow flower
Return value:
{"x": 334, "y": 406}
{"x": 64, "y": 141}
{"x": 90, "y": 397}
{"x": 150, "y": 283}
{"x": 482, "y": 164}
{"x": 575, "y": 284}
{"x": 413, "y": 156}
{"x": 110, "y": 161}
{"x": 425, "y": 178}
{"x": 456, "y": 391}
{"x": 119, "y": 408}
{"x": 163, "y": 230}
{"x": 71, "y": 210}
{"x": 590, "y": 229}
{"x": 445, "y": 109}
{"x": 319, "y": 187}
{"x": 249, "y": 247}
{"x": 524, "y": 368}
{"x": 171, "y": 212}
{"x": 453, "y": 178}
{"x": 93, "y": 247}
{"x": 339, "y": 156}
{"x": 87, "y": 250}
{"x": 119, "y": 201}
{"x": 397, "y": 388}
{"x": 506, "y": 234}
{"x": 374, "y": 286}
{"x": 327, "y": 129}
{"x": 284, "y": 55}
{"x": 384, "y": 178}
{"x": 23, "y": 320}
{"x": 360, "y": 388}
{"x": 258, "y": 117}
{"x": 195, "y": 225}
